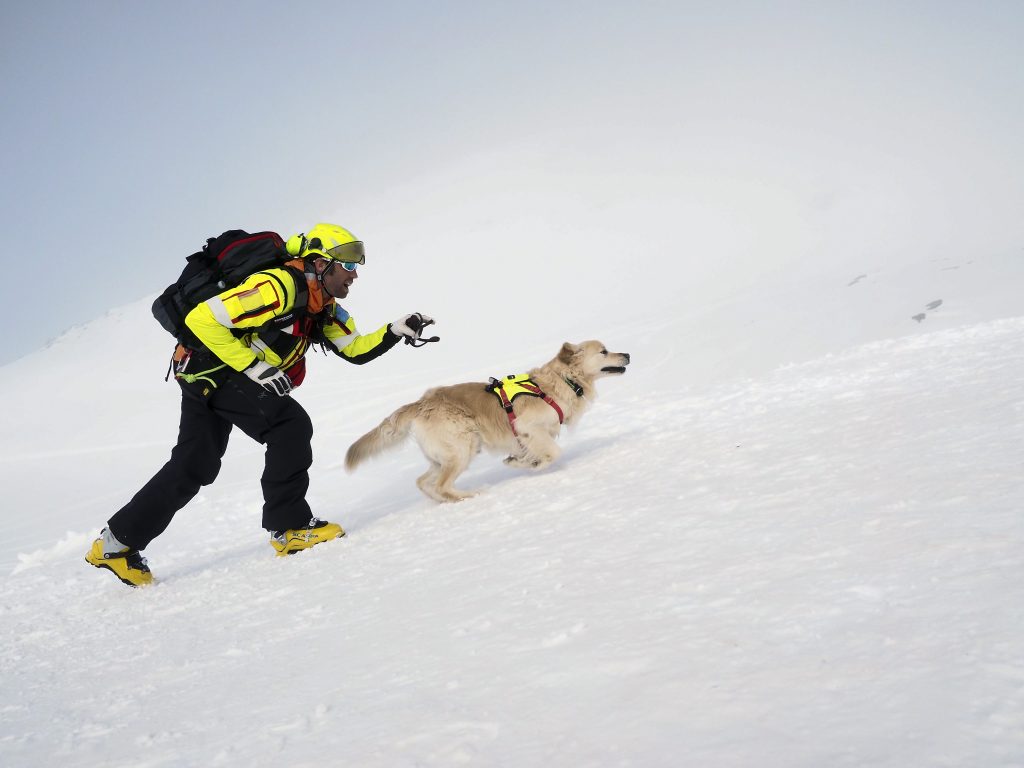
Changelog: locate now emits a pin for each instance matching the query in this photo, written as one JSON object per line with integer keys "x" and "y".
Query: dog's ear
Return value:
{"x": 566, "y": 352}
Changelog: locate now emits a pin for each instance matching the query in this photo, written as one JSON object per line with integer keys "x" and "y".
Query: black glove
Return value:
{"x": 272, "y": 379}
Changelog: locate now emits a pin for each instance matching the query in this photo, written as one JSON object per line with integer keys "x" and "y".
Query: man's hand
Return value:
{"x": 272, "y": 379}
{"x": 411, "y": 326}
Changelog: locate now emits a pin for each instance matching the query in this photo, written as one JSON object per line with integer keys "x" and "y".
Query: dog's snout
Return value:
{"x": 625, "y": 355}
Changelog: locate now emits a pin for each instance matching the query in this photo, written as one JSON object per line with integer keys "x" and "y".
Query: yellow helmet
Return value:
{"x": 328, "y": 241}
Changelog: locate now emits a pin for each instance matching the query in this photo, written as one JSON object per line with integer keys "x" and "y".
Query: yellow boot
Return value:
{"x": 128, "y": 564}
{"x": 315, "y": 532}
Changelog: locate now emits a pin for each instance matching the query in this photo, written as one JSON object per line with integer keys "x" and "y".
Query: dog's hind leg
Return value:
{"x": 427, "y": 482}
{"x": 455, "y": 461}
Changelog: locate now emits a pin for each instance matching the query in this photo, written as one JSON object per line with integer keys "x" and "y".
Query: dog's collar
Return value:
{"x": 577, "y": 388}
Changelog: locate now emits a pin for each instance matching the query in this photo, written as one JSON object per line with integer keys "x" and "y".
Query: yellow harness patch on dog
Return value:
{"x": 510, "y": 387}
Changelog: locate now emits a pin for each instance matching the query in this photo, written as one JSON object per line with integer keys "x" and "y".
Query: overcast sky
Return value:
{"x": 724, "y": 136}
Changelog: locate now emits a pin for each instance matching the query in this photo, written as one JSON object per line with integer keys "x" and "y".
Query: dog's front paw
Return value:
{"x": 522, "y": 462}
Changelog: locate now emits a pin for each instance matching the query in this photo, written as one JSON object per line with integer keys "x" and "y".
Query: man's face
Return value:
{"x": 337, "y": 279}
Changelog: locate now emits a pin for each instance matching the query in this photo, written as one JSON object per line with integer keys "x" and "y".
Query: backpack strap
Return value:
{"x": 271, "y": 329}
{"x": 298, "y": 309}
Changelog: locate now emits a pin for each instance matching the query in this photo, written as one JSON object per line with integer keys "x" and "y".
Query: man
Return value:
{"x": 254, "y": 337}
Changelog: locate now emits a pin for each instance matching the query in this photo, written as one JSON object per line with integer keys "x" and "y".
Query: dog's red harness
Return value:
{"x": 523, "y": 386}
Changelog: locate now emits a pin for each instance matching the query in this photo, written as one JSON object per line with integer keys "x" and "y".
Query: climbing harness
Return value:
{"x": 179, "y": 363}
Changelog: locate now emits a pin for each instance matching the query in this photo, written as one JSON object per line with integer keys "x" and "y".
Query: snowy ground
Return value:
{"x": 821, "y": 564}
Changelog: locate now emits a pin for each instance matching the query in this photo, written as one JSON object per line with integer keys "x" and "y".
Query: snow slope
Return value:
{"x": 770, "y": 543}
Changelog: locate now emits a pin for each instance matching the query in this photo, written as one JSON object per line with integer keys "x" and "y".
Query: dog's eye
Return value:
{"x": 604, "y": 351}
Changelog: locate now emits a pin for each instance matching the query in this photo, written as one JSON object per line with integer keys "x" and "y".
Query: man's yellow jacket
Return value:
{"x": 238, "y": 325}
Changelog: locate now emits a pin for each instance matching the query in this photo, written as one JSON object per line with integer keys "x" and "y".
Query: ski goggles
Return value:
{"x": 326, "y": 265}
{"x": 348, "y": 253}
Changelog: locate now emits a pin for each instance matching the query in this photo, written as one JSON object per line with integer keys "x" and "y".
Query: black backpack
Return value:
{"x": 224, "y": 262}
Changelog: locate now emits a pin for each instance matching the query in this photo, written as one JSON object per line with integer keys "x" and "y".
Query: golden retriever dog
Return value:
{"x": 454, "y": 423}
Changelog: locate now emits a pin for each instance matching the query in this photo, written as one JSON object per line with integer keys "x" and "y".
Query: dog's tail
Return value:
{"x": 389, "y": 433}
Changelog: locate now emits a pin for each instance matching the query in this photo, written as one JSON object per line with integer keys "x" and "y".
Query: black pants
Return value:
{"x": 278, "y": 422}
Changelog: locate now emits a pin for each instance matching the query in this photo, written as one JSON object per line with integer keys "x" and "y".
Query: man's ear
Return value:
{"x": 567, "y": 351}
